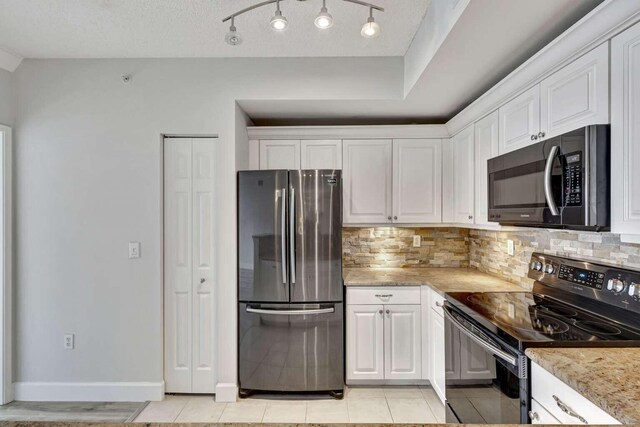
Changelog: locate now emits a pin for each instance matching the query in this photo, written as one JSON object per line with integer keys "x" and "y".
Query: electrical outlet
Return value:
{"x": 416, "y": 241}
{"x": 134, "y": 250}
{"x": 510, "y": 247}
{"x": 69, "y": 341}
{"x": 511, "y": 307}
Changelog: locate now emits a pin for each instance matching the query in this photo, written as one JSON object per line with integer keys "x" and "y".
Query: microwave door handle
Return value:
{"x": 482, "y": 343}
{"x": 548, "y": 192}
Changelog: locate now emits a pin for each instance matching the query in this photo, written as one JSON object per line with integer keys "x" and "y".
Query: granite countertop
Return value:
{"x": 442, "y": 280}
{"x": 608, "y": 377}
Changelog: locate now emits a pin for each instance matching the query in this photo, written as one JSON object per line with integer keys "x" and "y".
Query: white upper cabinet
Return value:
{"x": 417, "y": 180}
{"x": 321, "y": 154}
{"x": 486, "y": 142}
{"x": 462, "y": 160}
{"x": 577, "y": 95}
{"x": 625, "y": 131}
{"x": 367, "y": 181}
{"x": 520, "y": 121}
{"x": 279, "y": 154}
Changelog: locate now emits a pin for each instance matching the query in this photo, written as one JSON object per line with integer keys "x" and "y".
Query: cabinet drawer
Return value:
{"x": 544, "y": 386}
{"x": 541, "y": 415}
{"x": 384, "y": 295}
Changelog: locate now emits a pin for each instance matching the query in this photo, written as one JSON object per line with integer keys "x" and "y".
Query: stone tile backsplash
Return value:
{"x": 485, "y": 250}
{"x": 392, "y": 247}
{"x": 488, "y": 250}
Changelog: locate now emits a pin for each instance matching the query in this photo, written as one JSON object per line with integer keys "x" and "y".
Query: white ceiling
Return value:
{"x": 193, "y": 28}
{"x": 491, "y": 39}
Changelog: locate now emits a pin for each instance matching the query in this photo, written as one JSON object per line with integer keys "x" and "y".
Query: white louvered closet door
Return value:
{"x": 188, "y": 262}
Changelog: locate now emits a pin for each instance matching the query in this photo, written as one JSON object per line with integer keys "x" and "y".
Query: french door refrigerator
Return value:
{"x": 290, "y": 296}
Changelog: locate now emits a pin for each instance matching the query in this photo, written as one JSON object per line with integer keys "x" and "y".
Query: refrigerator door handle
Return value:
{"x": 283, "y": 238}
{"x": 291, "y": 312}
{"x": 292, "y": 234}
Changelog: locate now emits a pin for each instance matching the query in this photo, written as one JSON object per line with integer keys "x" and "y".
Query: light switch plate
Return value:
{"x": 134, "y": 250}
{"x": 510, "y": 247}
{"x": 416, "y": 241}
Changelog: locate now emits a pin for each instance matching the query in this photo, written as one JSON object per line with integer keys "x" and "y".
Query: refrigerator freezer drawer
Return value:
{"x": 291, "y": 347}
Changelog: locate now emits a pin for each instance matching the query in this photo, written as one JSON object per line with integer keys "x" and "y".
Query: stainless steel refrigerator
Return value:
{"x": 290, "y": 296}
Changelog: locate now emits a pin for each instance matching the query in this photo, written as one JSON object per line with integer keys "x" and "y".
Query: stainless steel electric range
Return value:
{"x": 573, "y": 304}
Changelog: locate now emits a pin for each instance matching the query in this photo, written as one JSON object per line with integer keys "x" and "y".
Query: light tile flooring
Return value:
{"x": 360, "y": 405}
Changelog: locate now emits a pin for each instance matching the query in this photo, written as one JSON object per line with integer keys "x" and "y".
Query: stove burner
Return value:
{"x": 598, "y": 328}
{"x": 548, "y": 325}
{"x": 555, "y": 309}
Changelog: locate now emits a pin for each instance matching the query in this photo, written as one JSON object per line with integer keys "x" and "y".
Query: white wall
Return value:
{"x": 88, "y": 180}
{"x": 7, "y": 98}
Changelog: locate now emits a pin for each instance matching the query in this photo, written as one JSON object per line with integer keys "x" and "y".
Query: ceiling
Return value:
{"x": 491, "y": 39}
{"x": 193, "y": 28}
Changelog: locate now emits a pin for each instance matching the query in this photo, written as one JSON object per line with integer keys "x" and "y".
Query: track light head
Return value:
{"x": 371, "y": 28}
{"x": 278, "y": 22}
{"x": 233, "y": 37}
{"x": 324, "y": 19}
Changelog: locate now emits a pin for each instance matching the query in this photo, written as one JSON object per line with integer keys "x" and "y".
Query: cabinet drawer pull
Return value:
{"x": 533, "y": 415}
{"x": 567, "y": 410}
{"x": 439, "y": 304}
{"x": 384, "y": 295}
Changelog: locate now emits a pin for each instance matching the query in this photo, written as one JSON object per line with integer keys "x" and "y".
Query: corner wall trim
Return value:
{"x": 89, "y": 392}
{"x": 226, "y": 392}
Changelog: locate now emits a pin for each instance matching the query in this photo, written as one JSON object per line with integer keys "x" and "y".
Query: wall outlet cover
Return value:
{"x": 510, "y": 247}
{"x": 69, "y": 341}
{"x": 416, "y": 241}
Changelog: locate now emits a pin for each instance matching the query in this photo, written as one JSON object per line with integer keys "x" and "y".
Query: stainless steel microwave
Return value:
{"x": 562, "y": 182}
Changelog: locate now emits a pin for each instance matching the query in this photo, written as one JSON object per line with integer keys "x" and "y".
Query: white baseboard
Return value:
{"x": 226, "y": 392}
{"x": 89, "y": 392}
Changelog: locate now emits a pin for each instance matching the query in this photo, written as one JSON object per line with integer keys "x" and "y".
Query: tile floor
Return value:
{"x": 360, "y": 405}
{"x": 87, "y": 412}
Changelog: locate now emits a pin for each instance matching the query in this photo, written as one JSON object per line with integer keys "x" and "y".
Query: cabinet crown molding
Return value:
{"x": 348, "y": 132}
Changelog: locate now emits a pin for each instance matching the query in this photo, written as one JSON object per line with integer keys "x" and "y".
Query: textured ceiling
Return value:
{"x": 193, "y": 28}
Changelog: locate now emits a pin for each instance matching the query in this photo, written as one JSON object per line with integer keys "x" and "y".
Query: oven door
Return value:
{"x": 486, "y": 380}
{"x": 526, "y": 185}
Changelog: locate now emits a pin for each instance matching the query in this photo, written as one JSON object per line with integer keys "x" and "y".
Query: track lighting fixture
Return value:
{"x": 323, "y": 20}
{"x": 278, "y": 22}
{"x": 233, "y": 37}
{"x": 371, "y": 28}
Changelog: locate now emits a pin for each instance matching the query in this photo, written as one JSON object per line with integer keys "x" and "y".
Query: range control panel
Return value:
{"x": 610, "y": 284}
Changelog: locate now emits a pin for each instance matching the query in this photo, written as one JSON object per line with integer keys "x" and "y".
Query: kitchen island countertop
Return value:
{"x": 442, "y": 280}
{"x": 608, "y": 377}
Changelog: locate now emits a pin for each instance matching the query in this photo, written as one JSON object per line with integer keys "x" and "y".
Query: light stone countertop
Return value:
{"x": 442, "y": 280}
{"x": 608, "y": 377}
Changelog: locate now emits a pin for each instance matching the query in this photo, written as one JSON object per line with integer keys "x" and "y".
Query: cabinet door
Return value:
{"x": 463, "y": 176}
{"x": 520, "y": 121}
{"x": 577, "y": 95}
{"x": 625, "y": 131}
{"x": 367, "y": 181}
{"x": 417, "y": 180}
{"x": 365, "y": 342}
{"x": 475, "y": 362}
{"x": 279, "y": 154}
{"x": 436, "y": 323}
{"x": 321, "y": 154}
{"x": 425, "y": 329}
{"x": 486, "y": 144}
{"x": 402, "y": 347}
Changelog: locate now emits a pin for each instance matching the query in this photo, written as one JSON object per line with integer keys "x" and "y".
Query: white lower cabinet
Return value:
{"x": 562, "y": 402}
{"x": 437, "y": 353}
{"x": 383, "y": 340}
{"x": 365, "y": 342}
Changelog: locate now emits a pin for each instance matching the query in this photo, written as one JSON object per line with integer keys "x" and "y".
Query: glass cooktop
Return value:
{"x": 535, "y": 320}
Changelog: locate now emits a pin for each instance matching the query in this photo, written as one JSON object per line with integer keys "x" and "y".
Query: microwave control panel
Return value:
{"x": 573, "y": 179}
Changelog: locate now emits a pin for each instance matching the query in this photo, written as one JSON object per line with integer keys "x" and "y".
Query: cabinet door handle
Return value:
{"x": 380, "y": 311}
{"x": 395, "y": 217}
{"x": 541, "y": 134}
{"x": 387, "y": 311}
{"x": 534, "y": 416}
{"x": 534, "y": 137}
{"x": 384, "y": 295}
{"x": 567, "y": 410}
{"x": 439, "y": 304}
{"x": 389, "y": 217}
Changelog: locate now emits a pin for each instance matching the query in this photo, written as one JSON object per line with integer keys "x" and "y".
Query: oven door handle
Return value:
{"x": 478, "y": 340}
{"x": 548, "y": 191}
